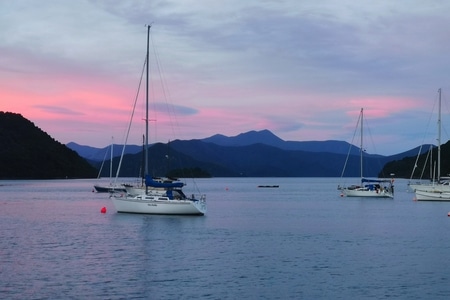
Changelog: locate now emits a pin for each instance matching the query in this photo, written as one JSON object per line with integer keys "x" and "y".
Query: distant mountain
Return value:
{"x": 256, "y": 154}
{"x": 259, "y": 160}
{"x": 99, "y": 154}
{"x": 27, "y": 152}
{"x": 264, "y": 137}
{"x": 268, "y": 138}
{"x": 245, "y": 139}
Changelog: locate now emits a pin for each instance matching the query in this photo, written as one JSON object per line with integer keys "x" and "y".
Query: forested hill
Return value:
{"x": 404, "y": 167}
{"x": 27, "y": 152}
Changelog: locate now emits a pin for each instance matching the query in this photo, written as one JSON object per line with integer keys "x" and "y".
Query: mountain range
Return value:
{"x": 250, "y": 154}
{"x": 27, "y": 152}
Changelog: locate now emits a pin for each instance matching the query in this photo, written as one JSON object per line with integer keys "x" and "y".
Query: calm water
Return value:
{"x": 300, "y": 241}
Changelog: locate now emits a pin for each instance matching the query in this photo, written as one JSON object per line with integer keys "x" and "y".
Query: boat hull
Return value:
{"x": 432, "y": 196}
{"x": 366, "y": 193}
{"x": 108, "y": 189}
{"x": 162, "y": 206}
{"x": 430, "y": 187}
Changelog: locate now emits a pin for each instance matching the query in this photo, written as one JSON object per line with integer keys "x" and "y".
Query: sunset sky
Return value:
{"x": 301, "y": 69}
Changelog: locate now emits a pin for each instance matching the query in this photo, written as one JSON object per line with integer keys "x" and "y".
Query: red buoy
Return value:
{"x": 103, "y": 210}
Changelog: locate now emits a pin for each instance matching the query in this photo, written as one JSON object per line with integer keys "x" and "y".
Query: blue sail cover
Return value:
{"x": 152, "y": 183}
{"x": 374, "y": 180}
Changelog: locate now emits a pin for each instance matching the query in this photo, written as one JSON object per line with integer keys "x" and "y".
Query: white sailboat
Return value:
{"x": 111, "y": 188}
{"x": 435, "y": 190}
{"x": 374, "y": 188}
{"x": 159, "y": 197}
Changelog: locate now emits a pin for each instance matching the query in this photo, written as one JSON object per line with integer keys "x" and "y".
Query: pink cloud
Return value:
{"x": 382, "y": 107}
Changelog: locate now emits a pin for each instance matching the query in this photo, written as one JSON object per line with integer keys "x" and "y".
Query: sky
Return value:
{"x": 301, "y": 69}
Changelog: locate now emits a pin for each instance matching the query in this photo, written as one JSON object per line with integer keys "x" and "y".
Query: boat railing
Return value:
{"x": 201, "y": 199}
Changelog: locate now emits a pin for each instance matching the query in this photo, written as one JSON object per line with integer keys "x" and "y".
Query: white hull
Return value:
{"x": 362, "y": 192}
{"x": 159, "y": 205}
{"x": 430, "y": 187}
{"x": 432, "y": 196}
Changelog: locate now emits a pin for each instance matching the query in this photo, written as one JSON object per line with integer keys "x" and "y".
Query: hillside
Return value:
{"x": 96, "y": 154}
{"x": 27, "y": 152}
{"x": 403, "y": 167}
{"x": 255, "y": 154}
{"x": 259, "y": 160}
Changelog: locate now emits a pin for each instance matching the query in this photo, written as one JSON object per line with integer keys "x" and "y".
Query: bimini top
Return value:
{"x": 162, "y": 184}
{"x": 375, "y": 180}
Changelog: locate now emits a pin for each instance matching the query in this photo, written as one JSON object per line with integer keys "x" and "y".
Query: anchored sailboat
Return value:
{"x": 376, "y": 188}
{"x": 111, "y": 188}
{"x": 159, "y": 197}
{"x": 435, "y": 190}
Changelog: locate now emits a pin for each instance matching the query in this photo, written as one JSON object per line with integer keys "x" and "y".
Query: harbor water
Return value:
{"x": 300, "y": 240}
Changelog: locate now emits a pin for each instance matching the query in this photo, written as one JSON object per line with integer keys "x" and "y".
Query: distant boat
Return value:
{"x": 374, "y": 188}
{"x": 435, "y": 190}
{"x": 111, "y": 188}
{"x": 268, "y": 186}
{"x": 170, "y": 199}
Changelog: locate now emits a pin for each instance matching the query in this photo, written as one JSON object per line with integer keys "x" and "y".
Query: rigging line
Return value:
{"x": 373, "y": 145}
{"x": 351, "y": 146}
{"x": 103, "y": 162}
{"x": 415, "y": 163}
{"x": 445, "y": 103}
{"x": 165, "y": 91}
{"x": 370, "y": 135}
{"x": 426, "y": 160}
{"x": 423, "y": 139}
{"x": 429, "y": 156}
{"x": 174, "y": 124}
{"x": 131, "y": 119}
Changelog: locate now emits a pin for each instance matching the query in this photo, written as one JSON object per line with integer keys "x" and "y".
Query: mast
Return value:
{"x": 111, "y": 161}
{"x": 439, "y": 139}
{"x": 141, "y": 170}
{"x": 361, "y": 144}
{"x": 146, "y": 106}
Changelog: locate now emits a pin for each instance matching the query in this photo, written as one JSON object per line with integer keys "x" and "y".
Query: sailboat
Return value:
{"x": 375, "y": 188}
{"x": 142, "y": 188}
{"x": 111, "y": 188}
{"x": 165, "y": 198}
{"x": 435, "y": 190}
